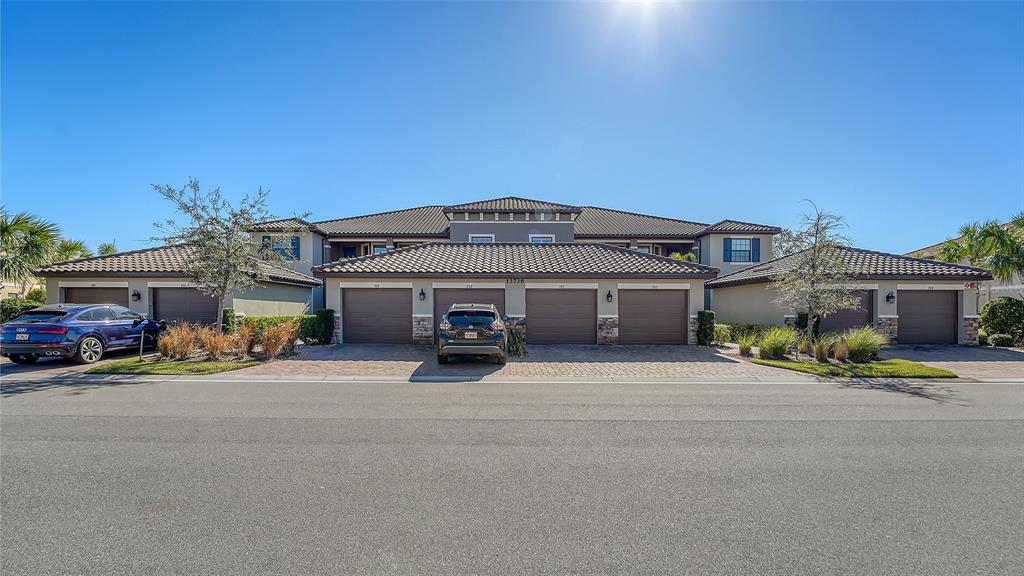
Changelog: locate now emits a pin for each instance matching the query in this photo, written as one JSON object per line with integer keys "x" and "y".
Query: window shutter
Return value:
{"x": 266, "y": 241}
{"x": 727, "y": 249}
{"x": 755, "y": 250}
{"x": 295, "y": 247}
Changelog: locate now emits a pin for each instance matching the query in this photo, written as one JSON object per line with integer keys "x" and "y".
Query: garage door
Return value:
{"x": 851, "y": 318}
{"x": 927, "y": 317}
{"x": 96, "y": 296}
{"x": 184, "y": 305}
{"x": 652, "y": 316}
{"x": 561, "y": 316}
{"x": 445, "y": 297}
{"x": 377, "y": 315}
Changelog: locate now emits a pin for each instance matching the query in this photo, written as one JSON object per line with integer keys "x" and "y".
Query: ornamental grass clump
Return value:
{"x": 863, "y": 343}
{"x": 276, "y": 338}
{"x": 214, "y": 341}
{"x": 178, "y": 341}
{"x": 822, "y": 347}
{"x": 723, "y": 333}
{"x": 245, "y": 339}
{"x": 775, "y": 343}
{"x": 839, "y": 351}
{"x": 746, "y": 340}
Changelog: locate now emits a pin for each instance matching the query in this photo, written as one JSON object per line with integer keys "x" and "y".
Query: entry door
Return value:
{"x": 561, "y": 316}
{"x": 652, "y": 316}
{"x": 927, "y": 317}
{"x": 376, "y": 315}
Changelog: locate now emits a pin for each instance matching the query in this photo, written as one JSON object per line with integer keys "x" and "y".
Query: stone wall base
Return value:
{"x": 691, "y": 331}
{"x": 608, "y": 330}
{"x": 889, "y": 327}
{"x": 423, "y": 329}
{"x": 971, "y": 331}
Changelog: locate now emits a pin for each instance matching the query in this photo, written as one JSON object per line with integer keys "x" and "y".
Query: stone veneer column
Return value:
{"x": 423, "y": 329}
{"x": 337, "y": 328}
{"x": 691, "y": 331}
{"x": 970, "y": 331}
{"x": 608, "y": 330}
{"x": 889, "y": 326}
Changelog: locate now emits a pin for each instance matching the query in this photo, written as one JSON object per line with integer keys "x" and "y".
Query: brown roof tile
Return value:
{"x": 595, "y": 222}
{"x": 511, "y": 204}
{"x": 738, "y": 226}
{"x": 516, "y": 259}
{"x": 161, "y": 261}
{"x": 865, "y": 264}
{"x": 424, "y": 221}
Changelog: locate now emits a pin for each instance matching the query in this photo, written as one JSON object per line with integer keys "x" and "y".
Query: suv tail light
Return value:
{"x": 497, "y": 325}
{"x": 53, "y": 330}
{"x": 444, "y": 326}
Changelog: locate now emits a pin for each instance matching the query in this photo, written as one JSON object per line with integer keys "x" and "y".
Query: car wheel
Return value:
{"x": 442, "y": 359}
{"x": 23, "y": 358}
{"x": 90, "y": 349}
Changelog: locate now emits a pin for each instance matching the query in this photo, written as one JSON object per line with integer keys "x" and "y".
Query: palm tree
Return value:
{"x": 26, "y": 242}
{"x": 973, "y": 247}
{"x": 107, "y": 248}
{"x": 1007, "y": 258}
{"x": 71, "y": 250}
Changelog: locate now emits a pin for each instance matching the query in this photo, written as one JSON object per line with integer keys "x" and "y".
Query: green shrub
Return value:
{"x": 822, "y": 348}
{"x": 755, "y": 330}
{"x": 324, "y": 326}
{"x": 776, "y": 342}
{"x": 863, "y": 344}
{"x": 11, "y": 307}
{"x": 705, "y": 327}
{"x": 516, "y": 345}
{"x": 723, "y": 333}
{"x": 1003, "y": 316}
{"x": 37, "y": 295}
{"x": 746, "y": 340}
{"x": 1001, "y": 340}
{"x": 229, "y": 323}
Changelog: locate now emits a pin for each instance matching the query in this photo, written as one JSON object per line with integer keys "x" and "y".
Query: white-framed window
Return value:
{"x": 379, "y": 248}
{"x": 645, "y": 248}
{"x": 741, "y": 249}
{"x": 481, "y": 238}
{"x": 542, "y": 238}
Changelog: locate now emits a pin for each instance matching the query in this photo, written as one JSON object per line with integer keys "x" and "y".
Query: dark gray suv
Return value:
{"x": 472, "y": 330}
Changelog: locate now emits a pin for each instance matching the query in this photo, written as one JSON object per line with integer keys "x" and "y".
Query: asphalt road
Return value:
{"x": 374, "y": 478}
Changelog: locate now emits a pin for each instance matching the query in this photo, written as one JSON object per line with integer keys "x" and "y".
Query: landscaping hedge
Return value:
{"x": 230, "y": 322}
{"x": 11, "y": 307}
{"x": 705, "y": 327}
{"x": 1003, "y": 316}
{"x": 309, "y": 326}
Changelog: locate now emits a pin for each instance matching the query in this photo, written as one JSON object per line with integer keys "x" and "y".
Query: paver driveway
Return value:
{"x": 556, "y": 361}
{"x": 965, "y": 361}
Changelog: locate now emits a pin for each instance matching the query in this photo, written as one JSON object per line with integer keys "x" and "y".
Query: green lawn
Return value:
{"x": 170, "y": 367}
{"x": 882, "y": 369}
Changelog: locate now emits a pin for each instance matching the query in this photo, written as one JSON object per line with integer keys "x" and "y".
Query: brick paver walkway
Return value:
{"x": 965, "y": 361}
{"x": 543, "y": 361}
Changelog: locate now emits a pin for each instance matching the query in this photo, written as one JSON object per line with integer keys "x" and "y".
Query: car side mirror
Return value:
{"x": 136, "y": 322}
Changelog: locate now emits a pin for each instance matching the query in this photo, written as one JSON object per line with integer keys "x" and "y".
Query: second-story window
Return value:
{"x": 289, "y": 249}
{"x": 542, "y": 238}
{"x": 740, "y": 250}
{"x": 481, "y": 238}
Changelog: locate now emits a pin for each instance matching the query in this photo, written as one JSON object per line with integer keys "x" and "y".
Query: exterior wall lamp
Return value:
{"x": 423, "y": 294}
{"x": 136, "y": 295}
{"x": 890, "y": 297}
{"x": 609, "y": 297}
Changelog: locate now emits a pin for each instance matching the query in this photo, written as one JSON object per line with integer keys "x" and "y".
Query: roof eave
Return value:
{"x": 897, "y": 277}
{"x": 330, "y": 274}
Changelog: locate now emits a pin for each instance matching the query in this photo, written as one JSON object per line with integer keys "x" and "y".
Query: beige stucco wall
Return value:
{"x": 515, "y": 292}
{"x": 270, "y": 299}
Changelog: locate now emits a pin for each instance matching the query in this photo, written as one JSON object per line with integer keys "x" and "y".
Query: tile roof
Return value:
{"x": 516, "y": 259}
{"x": 511, "y": 204}
{"x": 286, "y": 225}
{"x": 738, "y": 226}
{"x": 424, "y": 221}
{"x": 160, "y": 261}
{"x": 598, "y": 222}
{"x": 866, "y": 265}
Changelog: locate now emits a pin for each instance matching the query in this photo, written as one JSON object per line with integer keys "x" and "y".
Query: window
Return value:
{"x": 542, "y": 238}
{"x": 481, "y": 238}
{"x": 96, "y": 315}
{"x": 289, "y": 250}
{"x": 123, "y": 313}
{"x": 645, "y": 248}
{"x": 379, "y": 249}
{"x": 740, "y": 250}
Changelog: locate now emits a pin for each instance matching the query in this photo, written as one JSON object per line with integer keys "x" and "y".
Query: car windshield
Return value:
{"x": 462, "y": 318}
{"x": 40, "y": 316}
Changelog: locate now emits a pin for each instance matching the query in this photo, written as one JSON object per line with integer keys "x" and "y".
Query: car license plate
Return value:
{"x": 21, "y": 336}
{"x": 469, "y": 335}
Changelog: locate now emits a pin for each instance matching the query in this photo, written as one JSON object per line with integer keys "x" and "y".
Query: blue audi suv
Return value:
{"x": 82, "y": 332}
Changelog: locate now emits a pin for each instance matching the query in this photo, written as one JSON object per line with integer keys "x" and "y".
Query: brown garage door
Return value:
{"x": 96, "y": 296}
{"x": 184, "y": 305}
{"x": 561, "y": 316}
{"x": 856, "y": 317}
{"x": 652, "y": 316}
{"x": 377, "y": 315}
{"x": 445, "y": 297}
{"x": 926, "y": 317}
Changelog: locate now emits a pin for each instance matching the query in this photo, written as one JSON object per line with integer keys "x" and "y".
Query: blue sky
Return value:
{"x": 907, "y": 118}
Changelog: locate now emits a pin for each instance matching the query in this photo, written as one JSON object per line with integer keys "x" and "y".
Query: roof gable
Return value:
{"x": 511, "y": 204}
